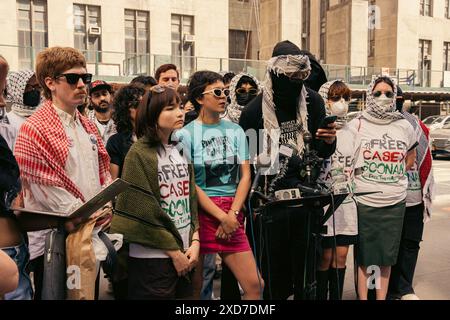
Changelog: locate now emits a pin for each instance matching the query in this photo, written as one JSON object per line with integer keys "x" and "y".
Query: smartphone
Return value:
{"x": 326, "y": 121}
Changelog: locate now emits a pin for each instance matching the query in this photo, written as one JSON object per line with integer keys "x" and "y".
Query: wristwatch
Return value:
{"x": 236, "y": 212}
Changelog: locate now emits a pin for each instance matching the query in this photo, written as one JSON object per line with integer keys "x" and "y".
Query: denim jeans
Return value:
{"x": 209, "y": 268}
{"x": 21, "y": 256}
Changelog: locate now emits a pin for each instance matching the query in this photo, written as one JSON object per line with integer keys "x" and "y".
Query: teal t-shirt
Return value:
{"x": 216, "y": 152}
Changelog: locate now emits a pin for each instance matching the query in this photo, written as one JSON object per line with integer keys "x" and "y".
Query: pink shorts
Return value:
{"x": 208, "y": 228}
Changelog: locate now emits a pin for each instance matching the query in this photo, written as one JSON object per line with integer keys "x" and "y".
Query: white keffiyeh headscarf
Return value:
{"x": 284, "y": 64}
{"x": 323, "y": 92}
{"x": 16, "y": 84}
{"x": 377, "y": 114}
{"x": 234, "y": 110}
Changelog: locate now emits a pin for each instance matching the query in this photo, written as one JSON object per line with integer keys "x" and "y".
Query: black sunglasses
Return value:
{"x": 73, "y": 78}
{"x": 251, "y": 91}
{"x": 389, "y": 94}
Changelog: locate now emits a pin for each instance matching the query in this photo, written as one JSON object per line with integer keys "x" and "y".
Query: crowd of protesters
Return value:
{"x": 186, "y": 150}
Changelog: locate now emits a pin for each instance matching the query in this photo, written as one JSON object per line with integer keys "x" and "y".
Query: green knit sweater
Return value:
{"x": 139, "y": 217}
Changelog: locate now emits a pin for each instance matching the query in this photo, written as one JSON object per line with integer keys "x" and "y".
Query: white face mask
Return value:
{"x": 384, "y": 102}
{"x": 339, "y": 109}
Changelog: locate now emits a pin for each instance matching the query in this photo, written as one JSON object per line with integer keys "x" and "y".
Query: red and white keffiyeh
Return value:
{"x": 42, "y": 148}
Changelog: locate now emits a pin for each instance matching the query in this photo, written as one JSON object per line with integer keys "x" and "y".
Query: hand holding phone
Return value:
{"x": 326, "y": 121}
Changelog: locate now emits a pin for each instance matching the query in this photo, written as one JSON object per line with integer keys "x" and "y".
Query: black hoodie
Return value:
{"x": 286, "y": 105}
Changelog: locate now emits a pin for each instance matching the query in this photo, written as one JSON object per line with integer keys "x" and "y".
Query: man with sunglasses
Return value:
{"x": 283, "y": 113}
{"x": 101, "y": 99}
{"x": 62, "y": 159}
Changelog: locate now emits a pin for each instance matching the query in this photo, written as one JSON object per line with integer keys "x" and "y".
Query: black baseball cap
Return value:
{"x": 99, "y": 85}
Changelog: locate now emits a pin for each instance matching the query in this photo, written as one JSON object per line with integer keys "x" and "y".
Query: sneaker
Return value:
{"x": 410, "y": 296}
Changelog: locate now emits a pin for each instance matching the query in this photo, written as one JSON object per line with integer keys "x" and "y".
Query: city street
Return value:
{"x": 432, "y": 279}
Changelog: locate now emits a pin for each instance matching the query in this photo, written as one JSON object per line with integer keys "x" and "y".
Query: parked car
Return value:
{"x": 440, "y": 122}
{"x": 428, "y": 121}
{"x": 440, "y": 141}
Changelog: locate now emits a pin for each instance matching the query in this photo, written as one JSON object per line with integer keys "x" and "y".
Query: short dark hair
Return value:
{"x": 246, "y": 79}
{"x": 145, "y": 80}
{"x": 149, "y": 110}
{"x": 198, "y": 83}
{"x": 227, "y": 77}
{"x": 183, "y": 93}
{"x": 165, "y": 68}
{"x": 386, "y": 80}
{"x": 127, "y": 97}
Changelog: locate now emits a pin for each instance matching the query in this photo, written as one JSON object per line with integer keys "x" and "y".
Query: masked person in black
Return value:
{"x": 283, "y": 113}
{"x": 243, "y": 89}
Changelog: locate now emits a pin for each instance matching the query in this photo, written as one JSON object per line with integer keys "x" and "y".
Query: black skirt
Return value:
{"x": 341, "y": 241}
{"x": 380, "y": 232}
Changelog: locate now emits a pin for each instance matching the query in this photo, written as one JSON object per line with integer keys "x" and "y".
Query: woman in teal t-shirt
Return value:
{"x": 219, "y": 152}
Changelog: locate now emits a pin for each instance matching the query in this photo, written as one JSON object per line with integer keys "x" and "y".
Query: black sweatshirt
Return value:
{"x": 251, "y": 118}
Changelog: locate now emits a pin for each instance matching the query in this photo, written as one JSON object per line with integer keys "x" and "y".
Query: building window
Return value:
{"x": 426, "y": 8}
{"x": 446, "y": 56}
{"x": 447, "y": 9}
{"x": 32, "y": 30}
{"x": 371, "y": 38}
{"x": 306, "y": 23}
{"x": 183, "y": 44}
{"x": 324, "y": 6}
{"x": 137, "y": 44}
{"x": 424, "y": 62}
{"x": 87, "y": 31}
{"x": 239, "y": 44}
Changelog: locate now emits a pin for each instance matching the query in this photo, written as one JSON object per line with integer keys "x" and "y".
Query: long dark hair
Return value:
{"x": 126, "y": 98}
{"x": 149, "y": 110}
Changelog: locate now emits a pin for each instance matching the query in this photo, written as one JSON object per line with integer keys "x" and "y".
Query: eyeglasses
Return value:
{"x": 73, "y": 78}
{"x": 251, "y": 91}
{"x": 338, "y": 98}
{"x": 389, "y": 94}
{"x": 218, "y": 92}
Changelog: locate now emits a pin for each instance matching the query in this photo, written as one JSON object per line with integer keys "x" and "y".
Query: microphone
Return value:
{"x": 255, "y": 183}
{"x": 307, "y": 139}
{"x": 263, "y": 161}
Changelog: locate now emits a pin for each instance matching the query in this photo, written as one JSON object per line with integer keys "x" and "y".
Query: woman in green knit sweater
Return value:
{"x": 160, "y": 222}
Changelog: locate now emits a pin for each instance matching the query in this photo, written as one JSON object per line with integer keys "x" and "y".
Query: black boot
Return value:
{"x": 337, "y": 277}
{"x": 322, "y": 285}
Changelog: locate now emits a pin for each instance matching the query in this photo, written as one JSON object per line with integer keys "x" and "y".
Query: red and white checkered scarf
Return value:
{"x": 42, "y": 148}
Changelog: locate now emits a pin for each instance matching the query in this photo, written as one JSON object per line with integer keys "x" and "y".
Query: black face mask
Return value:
{"x": 244, "y": 98}
{"x": 285, "y": 91}
{"x": 32, "y": 98}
